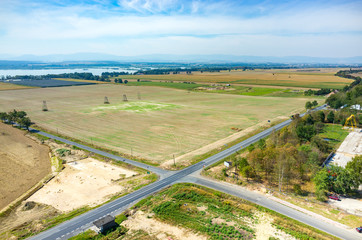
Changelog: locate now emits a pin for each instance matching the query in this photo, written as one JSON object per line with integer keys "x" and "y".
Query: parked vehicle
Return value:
{"x": 359, "y": 229}
{"x": 334, "y": 197}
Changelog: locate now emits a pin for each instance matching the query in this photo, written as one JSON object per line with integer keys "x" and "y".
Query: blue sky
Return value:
{"x": 138, "y": 27}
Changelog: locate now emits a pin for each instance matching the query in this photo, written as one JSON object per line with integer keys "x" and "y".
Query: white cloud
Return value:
{"x": 320, "y": 31}
{"x": 153, "y": 6}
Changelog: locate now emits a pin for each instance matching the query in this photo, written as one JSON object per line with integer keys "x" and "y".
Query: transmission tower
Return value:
{"x": 124, "y": 98}
{"x": 44, "y": 108}
{"x": 106, "y": 100}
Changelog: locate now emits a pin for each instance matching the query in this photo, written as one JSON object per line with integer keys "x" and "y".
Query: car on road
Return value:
{"x": 359, "y": 229}
{"x": 334, "y": 197}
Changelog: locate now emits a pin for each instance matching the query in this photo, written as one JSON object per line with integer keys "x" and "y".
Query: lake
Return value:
{"x": 37, "y": 72}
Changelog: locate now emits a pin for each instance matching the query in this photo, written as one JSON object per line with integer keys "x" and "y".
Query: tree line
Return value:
{"x": 349, "y": 95}
{"x": 320, "y": 92}
{"x": 292, "y": 156}
{"x": 16, "y": 117}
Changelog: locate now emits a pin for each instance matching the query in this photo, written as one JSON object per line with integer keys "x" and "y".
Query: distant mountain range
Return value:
{"x": 212, "y": 59}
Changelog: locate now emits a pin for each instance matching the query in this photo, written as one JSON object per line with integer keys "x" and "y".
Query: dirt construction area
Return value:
{"x": 350, "y": 147}
{"x": 86, "y": 182}
{"x": 154, "y": 123}
{"x": 23, "y": 163}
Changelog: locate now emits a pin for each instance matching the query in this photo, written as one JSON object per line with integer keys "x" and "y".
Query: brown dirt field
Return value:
{"x": 23, "y": 163}
{"x": 9, "y": 86}
{"x": 187, "y": 121}
{"x": 184, "y": 159}
{"x": 22, "y": 216}
{"x": 157, "y": 229}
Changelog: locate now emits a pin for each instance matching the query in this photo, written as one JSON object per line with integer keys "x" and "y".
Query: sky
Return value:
{"x": 315, "y": 28}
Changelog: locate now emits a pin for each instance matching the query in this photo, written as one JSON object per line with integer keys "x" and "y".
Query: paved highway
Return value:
{"x": 84, "y": 221}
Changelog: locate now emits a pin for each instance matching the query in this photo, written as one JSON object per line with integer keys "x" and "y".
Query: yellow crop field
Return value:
{"x": 9, "y": 86}
{"x": 277, "y": 77}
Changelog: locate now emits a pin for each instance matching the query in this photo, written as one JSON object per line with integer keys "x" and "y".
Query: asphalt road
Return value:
{"x": 84, "y": 221}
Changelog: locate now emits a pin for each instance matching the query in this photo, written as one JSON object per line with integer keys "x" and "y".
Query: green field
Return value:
{"x": 273, "y": 77}
{"x": 335, "y": 133}
{"x": 235, "y": 89}
{"x": 207, "y": 213}
{"x": 161, "y": 123}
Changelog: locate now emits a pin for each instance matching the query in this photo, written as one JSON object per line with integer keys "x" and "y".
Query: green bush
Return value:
{"x": 63, "y": 152}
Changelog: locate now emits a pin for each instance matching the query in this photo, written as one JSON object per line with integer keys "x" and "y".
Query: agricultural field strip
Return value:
{"x": 76, "y": 225}
{"x": 156, "y": 170}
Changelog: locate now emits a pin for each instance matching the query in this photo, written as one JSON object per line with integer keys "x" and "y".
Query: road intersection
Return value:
{"x": 190, "y": 174}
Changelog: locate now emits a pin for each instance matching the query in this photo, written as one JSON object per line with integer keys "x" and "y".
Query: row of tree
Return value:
{"x": 288, "y": 157}
{"x": 320, "y": 92}
{"x": 19, "y": 117}
{"x": 294, "y": 155}
{"x": 350, "y": 95}
{"x": 309, "y": 105}
{"x": 119, "y": 80}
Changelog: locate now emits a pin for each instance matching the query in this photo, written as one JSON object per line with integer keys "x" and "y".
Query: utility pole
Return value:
{"x": 174, "y": 161}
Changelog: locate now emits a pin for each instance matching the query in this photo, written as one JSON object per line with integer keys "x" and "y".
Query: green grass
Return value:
{"x": 137, "y": 107}
{"x": 25, "y": 231}
{"x": 286, "y": 83}
{"x": 178, "y": 204}
{"x": 234, "y": 89}
{"x": 176, "y": 85}
{"x": 335, "y": 132}
{"x": 247, "y": 91}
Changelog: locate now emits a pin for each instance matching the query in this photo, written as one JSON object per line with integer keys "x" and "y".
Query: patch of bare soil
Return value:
{"x": 264, "y": 229}
{"x": 157, "y": 229}
{"x": 25, "y": 213}
{"x": 23, "y": 163}
{"x": 85, "y": 182}
{"x": 186, "y": 158}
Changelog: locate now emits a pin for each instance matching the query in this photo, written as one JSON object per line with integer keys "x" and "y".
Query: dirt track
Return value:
{"x": 23, "y": 163}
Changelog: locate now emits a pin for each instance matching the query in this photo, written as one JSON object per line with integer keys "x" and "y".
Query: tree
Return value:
{"x": 343, "y": 182}
{"x": 321, "y": 144}
{"x": 330, "y": 117}
{"x": 243, "y": 163}
{"x": 251, "y": 147}
{"x": 309, "y": 120}
{"x": 25, "y": 122}
{"x": 354, "y": 168}
{"x": 125, "y": 81}
{"x": 21, "y": 114}
{"x": 308, "y": 105}
{"x": 3, "y": 116}
{"x": 248, "y": 172}
{"x": 261, "y": 144}
{"x": 12, "y": 117}
{"x": 321, "y": 180}
{"x": 315, "y": 103}
{"x": 321, "y": 116}
{"x": 305, "y": 132}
